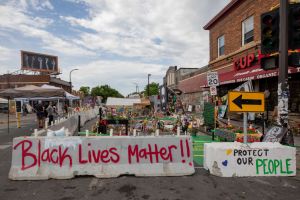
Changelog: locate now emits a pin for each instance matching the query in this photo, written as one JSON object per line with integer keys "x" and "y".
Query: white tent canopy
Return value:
{"x": 112, "y": 101}
{"x": 68, "y": 95}
{"x": 3, "y": 100}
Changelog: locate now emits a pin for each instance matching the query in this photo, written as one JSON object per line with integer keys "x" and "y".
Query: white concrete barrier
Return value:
{"x": 71, "y": 123}
{"x": 229, "y": 159}
{"x": 37, "y": 158}
{"x": 88, "y": 115}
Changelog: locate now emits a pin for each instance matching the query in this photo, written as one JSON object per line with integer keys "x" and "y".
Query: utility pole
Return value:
{"x": 148, "y": 86}
{"x": 71, "y": 79}
{"x": 283, "y": 88}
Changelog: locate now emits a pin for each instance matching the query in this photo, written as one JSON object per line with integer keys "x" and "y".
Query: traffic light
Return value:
{"x": 270, "y": 32}
{"x": 269, "y": 62}
{"x": 294, "y": 26}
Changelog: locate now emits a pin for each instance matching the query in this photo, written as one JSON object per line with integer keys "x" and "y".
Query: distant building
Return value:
{"x": 170, "y": 85}
{"x": 192, "y": 94}
{"x": 19, "y": 80}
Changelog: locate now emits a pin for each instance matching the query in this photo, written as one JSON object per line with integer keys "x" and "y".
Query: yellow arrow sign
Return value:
{"x": 246, "y": 101}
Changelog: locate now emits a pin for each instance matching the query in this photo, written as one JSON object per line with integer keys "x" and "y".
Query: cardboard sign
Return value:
{"x": 275, "y": 134}
{"x": 246, "y": 101}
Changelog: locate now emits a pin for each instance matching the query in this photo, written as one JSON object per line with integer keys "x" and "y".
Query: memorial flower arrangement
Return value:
{"x": 232, "y": 133}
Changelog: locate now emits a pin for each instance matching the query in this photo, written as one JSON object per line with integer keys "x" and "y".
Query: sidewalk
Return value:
{"x": 13, "y": 118}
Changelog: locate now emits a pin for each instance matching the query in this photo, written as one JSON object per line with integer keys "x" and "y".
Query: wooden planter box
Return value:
{"x": 229, "y": 136}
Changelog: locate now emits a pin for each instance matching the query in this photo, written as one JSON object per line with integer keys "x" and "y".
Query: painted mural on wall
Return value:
{"x": 65, "y": 157}
{"x": 256, "y": 159}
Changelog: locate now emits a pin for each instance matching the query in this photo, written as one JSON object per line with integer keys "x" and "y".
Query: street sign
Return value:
{"x": 213, "y": 90}
{"x": 212, "y": 79}
{"x": 246, "y": 101}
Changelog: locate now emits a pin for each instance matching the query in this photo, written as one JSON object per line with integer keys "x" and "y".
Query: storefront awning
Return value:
{"x": 227, "y": 76}
{"x": 253, "y": 73}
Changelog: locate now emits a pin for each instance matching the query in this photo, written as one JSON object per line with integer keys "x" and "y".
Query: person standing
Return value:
{"x": 66, "y": 109}
{"x": 50, "y": 112}
{"x": 25, "y": 111}
{"x": 40, "y": 114}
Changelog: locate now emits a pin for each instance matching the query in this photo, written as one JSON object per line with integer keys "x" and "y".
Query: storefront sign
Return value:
{"x": 246, "y": 101}
{"x": 244, "y": 62}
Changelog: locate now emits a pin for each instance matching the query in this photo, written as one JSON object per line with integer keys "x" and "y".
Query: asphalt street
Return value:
{"x": 201, "y": 185}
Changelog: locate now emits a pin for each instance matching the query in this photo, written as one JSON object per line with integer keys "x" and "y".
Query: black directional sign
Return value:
{"x": 239, "y": 101}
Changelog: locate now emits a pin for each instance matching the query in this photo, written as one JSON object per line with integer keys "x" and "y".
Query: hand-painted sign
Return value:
{"x": 246, "y": 101}
{"x": 255, "y": 159}
{"x": 275, "y": 134}
{"x": 64, "y": 157}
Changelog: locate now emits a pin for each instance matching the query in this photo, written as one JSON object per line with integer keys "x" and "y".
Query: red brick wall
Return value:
{"x": 231, "y": 26}
{"x": 22, "y": 80}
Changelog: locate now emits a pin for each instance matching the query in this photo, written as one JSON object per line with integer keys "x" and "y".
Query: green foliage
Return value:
{"x": 85, "y": 90}
{"x": 153, "y": 89}
{"x": 105, "y": 91}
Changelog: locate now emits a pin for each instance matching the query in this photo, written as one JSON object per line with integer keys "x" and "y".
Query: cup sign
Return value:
{"x": 212, "y": 79}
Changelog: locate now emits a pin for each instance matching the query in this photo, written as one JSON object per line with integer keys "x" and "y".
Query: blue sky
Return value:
{"x": 115, "y": 42}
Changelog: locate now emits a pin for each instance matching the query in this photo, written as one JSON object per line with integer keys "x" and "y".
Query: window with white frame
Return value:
{"x": 221, "y": 45}
{"x": 247, "y": 30}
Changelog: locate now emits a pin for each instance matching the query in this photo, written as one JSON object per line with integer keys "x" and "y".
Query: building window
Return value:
{"x": 221, "y": 45}
{"x": 247, "y": 30}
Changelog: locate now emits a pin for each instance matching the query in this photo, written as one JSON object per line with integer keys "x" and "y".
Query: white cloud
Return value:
{"x": 18, "y": 20}
{"x": 128, "y": 28}
{"x": 150, "y": 34}
{"x": 6, "y": 53}
{"x": 31, "y": 4}
{"x": 119, "y": 74}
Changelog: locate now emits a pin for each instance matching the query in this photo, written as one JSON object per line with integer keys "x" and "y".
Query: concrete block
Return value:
{"x": 230, "y": 159}
{"x": 40, "y": 158}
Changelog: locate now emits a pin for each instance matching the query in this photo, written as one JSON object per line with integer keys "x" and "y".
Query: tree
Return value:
{"x": 105, "y": 91}
{"x": 85, "y": 90}
{"x": 153, "y": 89}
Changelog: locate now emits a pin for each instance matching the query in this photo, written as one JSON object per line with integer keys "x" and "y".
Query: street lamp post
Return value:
{"x": 148, "y": 86}
{"x": 136, "y": 88}
{"x": 71, "y": 79}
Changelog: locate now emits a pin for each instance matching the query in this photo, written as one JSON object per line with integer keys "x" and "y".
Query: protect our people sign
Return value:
{"x": 255, "y": 159}
{"x": 38, "y": 158}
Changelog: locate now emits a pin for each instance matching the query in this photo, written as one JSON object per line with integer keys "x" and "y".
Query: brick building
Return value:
{"x": 192, "y": 92}
{"x": 19, "y": 80}
{"x": 171, "y": 84}
{"x": 235, "y": 43}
